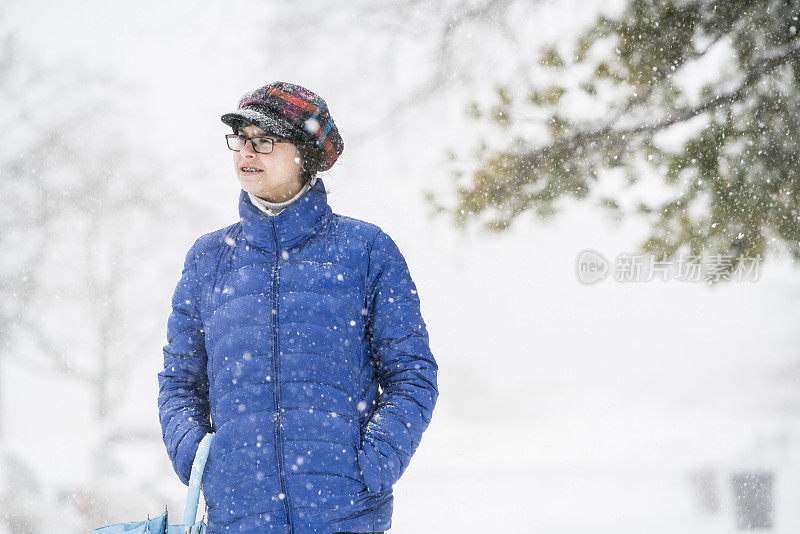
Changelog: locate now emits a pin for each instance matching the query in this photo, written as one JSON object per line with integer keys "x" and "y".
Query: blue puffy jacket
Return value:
{"x": 298, "y": 339}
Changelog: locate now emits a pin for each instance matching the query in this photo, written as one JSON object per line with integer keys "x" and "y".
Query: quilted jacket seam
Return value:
{"x": 212, "y": 348}
{"x": 248, "y": 515}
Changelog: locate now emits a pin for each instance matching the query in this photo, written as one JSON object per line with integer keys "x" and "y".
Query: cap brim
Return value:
{"x": 268, "y": 123}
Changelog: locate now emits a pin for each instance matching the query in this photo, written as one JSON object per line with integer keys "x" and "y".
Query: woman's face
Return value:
{"x": 275, "y": 176}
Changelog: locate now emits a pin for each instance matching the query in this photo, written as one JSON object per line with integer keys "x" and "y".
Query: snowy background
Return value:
{"x": 564, "y": 408}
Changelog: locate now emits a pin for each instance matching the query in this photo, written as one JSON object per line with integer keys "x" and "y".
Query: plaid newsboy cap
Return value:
{"x": 292, "y": 112}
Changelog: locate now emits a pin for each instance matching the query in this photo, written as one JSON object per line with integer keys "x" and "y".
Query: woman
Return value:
{"x": 296, "y": 336}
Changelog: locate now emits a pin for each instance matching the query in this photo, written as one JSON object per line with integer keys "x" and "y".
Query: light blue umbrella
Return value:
{"x": 160, "y": 524}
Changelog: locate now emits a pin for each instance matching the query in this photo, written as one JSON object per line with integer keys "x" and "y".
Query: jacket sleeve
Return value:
{"x": 405, "y": 367}
{"x": 183, "y": 404}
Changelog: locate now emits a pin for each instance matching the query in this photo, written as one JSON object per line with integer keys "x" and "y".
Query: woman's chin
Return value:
{"x": 252, "y": 184}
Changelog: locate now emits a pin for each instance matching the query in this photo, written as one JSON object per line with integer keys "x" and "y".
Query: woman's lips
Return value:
{"x": 250, "y": 171}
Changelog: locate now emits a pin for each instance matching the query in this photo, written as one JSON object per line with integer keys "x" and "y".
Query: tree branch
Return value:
{"x": 757, "y": 69}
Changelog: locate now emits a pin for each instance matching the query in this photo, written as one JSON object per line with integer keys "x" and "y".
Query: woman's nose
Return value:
{"x": 248, "y": 149}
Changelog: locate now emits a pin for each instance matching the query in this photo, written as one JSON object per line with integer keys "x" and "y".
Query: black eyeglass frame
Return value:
{"x": 269, "y": 140}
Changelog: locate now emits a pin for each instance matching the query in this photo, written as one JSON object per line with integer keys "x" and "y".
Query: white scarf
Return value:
{"x": 274, "y": 208}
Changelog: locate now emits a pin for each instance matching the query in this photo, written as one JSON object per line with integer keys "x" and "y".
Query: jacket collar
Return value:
{"x": 299, "y": 221}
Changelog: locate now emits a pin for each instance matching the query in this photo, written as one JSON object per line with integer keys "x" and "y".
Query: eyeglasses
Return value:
{"x": 262, "y": 145}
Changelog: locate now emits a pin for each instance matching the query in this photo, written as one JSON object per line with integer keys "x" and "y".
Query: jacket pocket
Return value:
{"x": 369, "y": 464}
{"x": 212, "y": 451}
{"x": 355, "y": 447}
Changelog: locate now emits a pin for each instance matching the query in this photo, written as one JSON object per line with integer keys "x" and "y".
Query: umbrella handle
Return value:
{"x": 196, "y": 479}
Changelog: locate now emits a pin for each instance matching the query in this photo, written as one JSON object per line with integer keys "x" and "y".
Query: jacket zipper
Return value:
{"x": 276, "y": 381}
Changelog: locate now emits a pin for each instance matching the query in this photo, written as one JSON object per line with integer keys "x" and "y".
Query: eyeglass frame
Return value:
{"x": 272, "y": 141}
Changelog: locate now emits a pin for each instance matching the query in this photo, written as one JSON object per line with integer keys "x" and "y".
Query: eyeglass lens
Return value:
{"x": 262, "y": 145}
